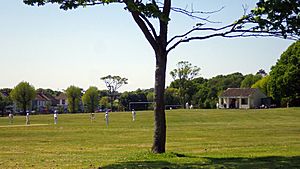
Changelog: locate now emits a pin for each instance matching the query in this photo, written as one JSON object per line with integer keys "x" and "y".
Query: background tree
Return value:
{"x": 182, "y": 76}
{"x": 104, "y": 102}
{"x": 249, "y": 80}
{"x": 285, "y": 77}
{"x": 5, "y": 91}
{"x": 153, "y": 17}
{"x": 263, "y": 85}
{"x": 207, "y": 92}
{"x": 262, "y": 72}
{"x": 5, "y": 100}
{"x": 172, "y": 96}
{"x": 90, "y": 99}
{"x": 23, "y": 94}
{"x": 150, "y": 98}
{"x": 113, "y": 83}
{"x": 73, "y": 95}
{"x": 134, "y": 96}
{"x": 103, "y": 93}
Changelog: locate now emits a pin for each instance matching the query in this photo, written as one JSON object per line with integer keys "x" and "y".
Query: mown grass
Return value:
{"x": 267, "y": 138}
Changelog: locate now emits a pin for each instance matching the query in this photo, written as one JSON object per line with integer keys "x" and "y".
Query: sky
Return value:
{"x": 52, "y": 48}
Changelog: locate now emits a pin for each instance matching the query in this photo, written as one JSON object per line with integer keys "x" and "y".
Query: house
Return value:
{"x": 62, "y": 100}
{"x": 41, "y": 103}
{"x": 241, "y": 98}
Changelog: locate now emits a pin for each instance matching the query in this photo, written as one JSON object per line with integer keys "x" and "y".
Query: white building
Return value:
{"x": 244, "y": 98}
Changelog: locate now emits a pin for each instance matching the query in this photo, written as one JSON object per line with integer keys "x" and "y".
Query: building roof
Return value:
{"x": 41, "y": 97}
{"x": 239, "y": 92}
{"x": 61, "y": 96}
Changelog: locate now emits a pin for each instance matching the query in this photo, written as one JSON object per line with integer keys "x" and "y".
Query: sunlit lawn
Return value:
{"x": 195, "y": 139}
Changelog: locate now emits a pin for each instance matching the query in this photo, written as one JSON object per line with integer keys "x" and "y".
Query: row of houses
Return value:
{"x": 42, "y": 102}
{"x": 45, "y": 102}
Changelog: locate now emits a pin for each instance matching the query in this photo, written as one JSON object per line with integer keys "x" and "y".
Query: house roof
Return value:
{"x": 41, "y": 97}
{"x": 61, "y": 96}
{"x": 239, "y": 92}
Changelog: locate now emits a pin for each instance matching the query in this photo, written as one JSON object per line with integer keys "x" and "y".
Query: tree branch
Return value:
{"x": 144, "y": 28}
{"x": 163, "y": 23}
{"x": 193, "y": 14}
{"x": 229, "y": 31}
{"x": 199, "y": 29}
{"x": 150, "y": 25}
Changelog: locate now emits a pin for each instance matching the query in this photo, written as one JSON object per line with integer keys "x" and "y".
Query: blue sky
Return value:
{"x": 52, "y": 48}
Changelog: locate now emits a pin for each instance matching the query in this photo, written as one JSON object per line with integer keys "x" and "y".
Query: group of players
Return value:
{"x": 55, "y": 115}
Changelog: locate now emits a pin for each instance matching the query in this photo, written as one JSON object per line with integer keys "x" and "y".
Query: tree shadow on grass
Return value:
{"x": 208, "y": 162}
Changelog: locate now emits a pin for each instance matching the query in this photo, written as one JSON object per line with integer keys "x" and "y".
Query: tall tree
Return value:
{"x": 91, "y": 99}
{"x": 113, "y": 83}
{"x": 5, "y": 100}
{"x": 134, "y": 96}
{"x": 23, "y": 94}
{"x": 73, "y": 95}
{"x": 104, "y": 102}
{"x": 285, "y": 76}
{"x": 183, "y": 75}
{"x": 172, "y": 96}
{"x": 261, "y": 72}
{"x": 249, "y": 80}
{"x": 263, "y": 85}
{"x": 152, "y": 17}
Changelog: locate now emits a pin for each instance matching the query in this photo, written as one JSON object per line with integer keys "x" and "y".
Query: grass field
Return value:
{"x": 267, "y": 138}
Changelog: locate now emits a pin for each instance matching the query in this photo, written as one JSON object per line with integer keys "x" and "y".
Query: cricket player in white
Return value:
{"x": 11, "y": 117}
{"x": 27, "y": 118}
{"x": 106, "y": 118}
{"x": 55, "y": 117}
{"x": 92, "y": 116}
{"x": 187, "y": 106}
{"x": 133, "y": 115}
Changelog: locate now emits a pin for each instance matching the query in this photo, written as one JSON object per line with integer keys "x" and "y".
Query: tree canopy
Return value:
{"x": 73, "y": 95}
{"x": 182, "y": 76}
{"x": 285, "y": 76}
{"x": 250, "y": 80}
{"x": 263, "y": 85}
{"x": 90, "y": 99}
{"x": 4, "y": 101}
{"x": 23, "y": 94}
{"x": 113, "y": 83}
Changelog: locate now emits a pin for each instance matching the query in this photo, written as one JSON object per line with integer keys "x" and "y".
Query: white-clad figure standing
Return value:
{"x": 187, "y": 106}
{"x": 92, "y": 116}
{"x": 133, "y": 115}
{"x": 106, "y": 118}
{"x": 55, "y": 117}
{"x": 11, "y": 117}
{"x": 27, "y": 118}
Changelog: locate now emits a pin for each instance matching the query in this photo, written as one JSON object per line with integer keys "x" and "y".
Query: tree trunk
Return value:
{"x": 24, "y": 108}
{"x": 111, "y": 102}
{"x": 92, "y": 106}
{"x": 73, "y": 105}
{"x": 159, "y": 110}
